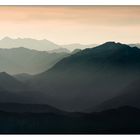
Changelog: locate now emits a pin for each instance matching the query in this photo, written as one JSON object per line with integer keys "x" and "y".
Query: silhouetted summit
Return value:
{"x": 113, "y": 44}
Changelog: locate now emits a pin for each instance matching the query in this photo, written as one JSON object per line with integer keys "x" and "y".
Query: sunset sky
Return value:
{"x": 72, "y": 24}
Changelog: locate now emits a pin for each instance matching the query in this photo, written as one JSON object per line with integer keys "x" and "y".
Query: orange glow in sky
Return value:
{"x": 72, "y": 24}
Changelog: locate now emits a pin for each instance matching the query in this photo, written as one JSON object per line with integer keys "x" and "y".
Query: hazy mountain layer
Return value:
{"x": 59, "y": 50}
{"x": 22, "y": 60}
{"x": 78, "y": 46}
{"x": 135, "y": 45}
{"x": 43, "y": 45}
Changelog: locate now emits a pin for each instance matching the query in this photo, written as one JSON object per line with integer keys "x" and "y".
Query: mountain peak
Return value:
{"x": 110, "y": 42}
{"x": 3, "y": 73}
{"x": 112, "y": 45}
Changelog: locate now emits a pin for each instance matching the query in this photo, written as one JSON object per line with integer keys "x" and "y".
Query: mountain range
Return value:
{"x": 35, "y": 44}
{"x": 40, "y": 45}
{"x": 16, "y": 57}
{"x": 98, "y": 78}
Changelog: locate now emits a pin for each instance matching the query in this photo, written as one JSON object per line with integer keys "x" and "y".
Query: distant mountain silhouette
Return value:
{"x": 43, "y": 45}
{"x": 74, "y": 46}
{"x": 23, "y": 60}
{"x": 59, "y": 50}
{"x": 135, "y": 45}
{"x": 89, "y": 77}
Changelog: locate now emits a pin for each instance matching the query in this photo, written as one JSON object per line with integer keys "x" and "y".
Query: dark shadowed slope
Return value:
{"x": 10, "y": 83}
{"x": 28, "y": 108}
{"x": 23, "y": 77}
{"x": 13, "y": 90}
{"x": 129, "y": 96}
{"x": 89, "y": 77}
{"x": 76, "y": 51}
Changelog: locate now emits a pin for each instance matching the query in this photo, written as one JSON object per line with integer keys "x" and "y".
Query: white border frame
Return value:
{"x": 69, "y": 2}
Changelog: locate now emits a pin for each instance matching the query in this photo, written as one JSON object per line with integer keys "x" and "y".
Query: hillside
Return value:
{"x": 129, "y": 96}
{"x": 10, "y": 83}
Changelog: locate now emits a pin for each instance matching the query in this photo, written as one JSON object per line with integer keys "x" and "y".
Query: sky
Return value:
{"x": 72, "y": 24}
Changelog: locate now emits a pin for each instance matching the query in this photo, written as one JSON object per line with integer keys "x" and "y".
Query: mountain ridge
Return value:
{"x": 24, "y": 60}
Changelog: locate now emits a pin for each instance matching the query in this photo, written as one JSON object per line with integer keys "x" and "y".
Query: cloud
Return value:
{"x": 101, "y": 15}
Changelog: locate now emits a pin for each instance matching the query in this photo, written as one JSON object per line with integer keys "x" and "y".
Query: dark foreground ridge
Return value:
{"x": 124, "y": 120}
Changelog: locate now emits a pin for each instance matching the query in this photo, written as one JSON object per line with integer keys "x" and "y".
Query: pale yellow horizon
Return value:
{"x": 72, "y": 24}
